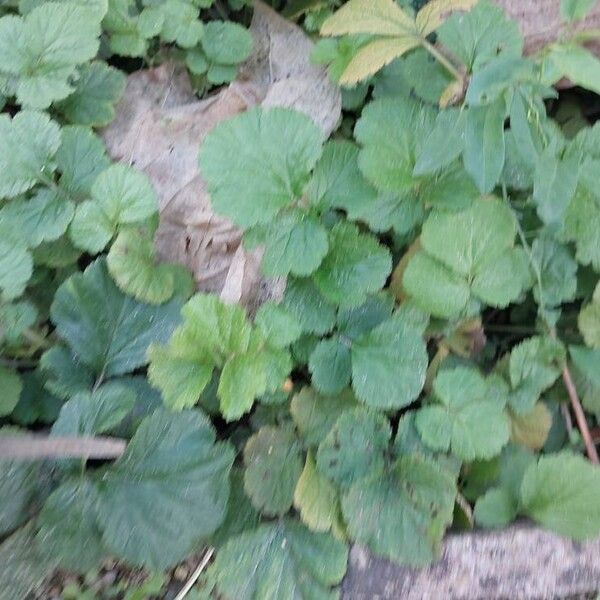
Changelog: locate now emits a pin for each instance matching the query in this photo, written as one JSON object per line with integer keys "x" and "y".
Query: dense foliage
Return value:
{"x": 441, "y": 253}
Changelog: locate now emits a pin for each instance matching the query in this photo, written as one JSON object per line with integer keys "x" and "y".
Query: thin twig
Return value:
{"x": 37, "y": 447}
{"x": 194, "y": 577}
{"x": 580, "y": 416}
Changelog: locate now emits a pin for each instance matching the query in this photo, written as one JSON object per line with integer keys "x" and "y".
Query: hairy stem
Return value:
{"x": 445, "y": 62}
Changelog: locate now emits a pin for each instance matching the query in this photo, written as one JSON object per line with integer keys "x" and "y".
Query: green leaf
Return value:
{"x": 250, "y": 143}
{"x": 273, "y": 466}
{"x": 554, "y": 185}
{"x": 496, "y": 508}
{"x": 577, "y": 64}
{"x": 484, "y": 150}
{"x": 243, "y": 379}
{"x": 308, "y": 306}
{"x": 481, "y": 35}
{"x": 68, "y": 530}
{"x": 389, "y": 364}
{"x": 391, "y": 131}
{"x": 575, "y": 10}
{"x": 18, "y": 490}
{"x": 587, "y": 361}
{"x": 481, "y": 257}
{"x": 470, "y": 419}
{"x": 226, "y": 43}
{"x": 560, "y": 492}
{"x": 589, "y": 324}
{"x": 65, "y": 374}
{"x": 282, "y": 559}
{"x": 401, "y": 513}
{"x": 107, "y": 330}
{"x": 121, "y": 26}
{"x": 30, "y": 140}
{"x": 558, "y": 272}
{"x": 582, "y": 219}
{"x": 167, "y": 492}
{"x": 98, "y": 88}
{"x": 315, "y": 498}
{"x": 16, "y": 267}
{"x": 330, "y": 365}
{"x": 133, "y": 265}
{"x": 180, "y": 23}
{"x": 535, "y": 364}
{"x": 314, "y": 415}
{"x": 295, "y": 243}
{"x": 91, "y": 413}
{"x": 354, "y": 447}
{"x": 81, "y": 157}
{"x": 531, "y": 429}
{"x": 43, "y": 49}
{"x": 444, "y": 144}
{"x": 36, "y": 404}
{"x": 355, "y": 266}
{"x": 120, "y": 195}
{"x": 277, "y": 324}
{"x": 15, "y": 318}
{"x": 43, "y": 218}
{"x": 379, "y": 17}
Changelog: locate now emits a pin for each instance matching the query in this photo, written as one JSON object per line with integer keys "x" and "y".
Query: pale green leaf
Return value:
{"x": 577, "y": 64}
{"x": 250, "y": 143}
{"x": 374, "y": 56}
{"x": 30, "y": 140}
{"x": 496, "y": 508}
{"x": 531, "y": 429}
{"x": 435, "y": 12}
{"x": 226, "y": 42}
{"x": 273, "y": 466}
{"x": 560, "y": 492}
{"x": 589, "y": 324}
{"x": 379, "y": 17}
{"x": 277, "y": 324}
{"x": 282, "y": 559}
{"x": 16, "y": 267}
{"x": 575, "y": 10}
{"x": 315, "y": 498}
{"x": 167, "y": 492}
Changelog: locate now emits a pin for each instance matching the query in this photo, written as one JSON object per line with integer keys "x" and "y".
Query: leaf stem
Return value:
{"x": 580, "y": 416}
{"x": 447, "y": 64}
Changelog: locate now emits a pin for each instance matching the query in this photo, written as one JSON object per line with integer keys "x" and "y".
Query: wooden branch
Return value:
{"x": 37, "y": 447}
{"x": 580, "y": 416}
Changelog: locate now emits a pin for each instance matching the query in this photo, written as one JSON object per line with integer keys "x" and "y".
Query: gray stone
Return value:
{"x": 520, "y": 562}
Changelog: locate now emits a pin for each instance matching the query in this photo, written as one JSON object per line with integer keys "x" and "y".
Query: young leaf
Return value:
{"x": 278, "y": 326}
{"x": 273, "y": 466}
{"x": 252, "y": 141}
{"x": 560, "y": 491}
{"x": 169, "y": 490}
{"x": 378, "y": 17}
{"x": 226, "y": 42}
{"x": 315, "y": 498}
{"x": 531, "y": 429}
{"x": 282, "y": 557}
{"x": 355, "y": 446}
{"x": 401, "y": 513}
{"x": 107, "y": 330}
{"x": 470, "y": 419}
{"x": 30, "y": 140}
{"x": 355, "y": 266}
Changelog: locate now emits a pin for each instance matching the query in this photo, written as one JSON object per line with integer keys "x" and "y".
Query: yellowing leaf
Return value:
{"x": 531, "y": 430}
{"x": 378, "y": 17}
{"x": 374, "y": 56}
{"x": 315, "y": 497}
{"x": 433, "y": 14}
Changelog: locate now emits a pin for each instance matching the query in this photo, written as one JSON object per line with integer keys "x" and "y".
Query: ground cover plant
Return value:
{"x": 434, "y": 361}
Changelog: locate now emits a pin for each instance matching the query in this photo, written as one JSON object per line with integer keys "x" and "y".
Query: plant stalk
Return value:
{"x": 447, "y": 64}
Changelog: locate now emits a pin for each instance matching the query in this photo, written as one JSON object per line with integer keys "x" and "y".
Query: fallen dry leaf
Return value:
{"x": 160, "y": 126}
